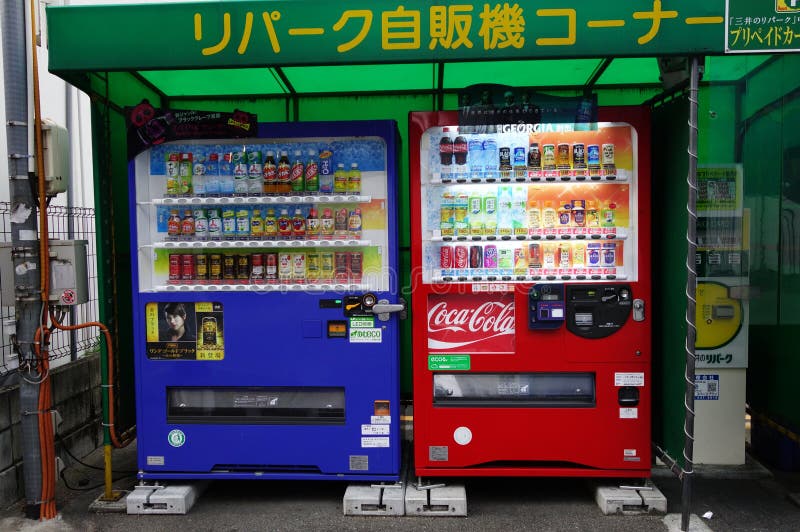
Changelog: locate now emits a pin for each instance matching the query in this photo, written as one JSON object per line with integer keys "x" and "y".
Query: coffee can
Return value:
{"x": 187, "y": 267}
{"x": 174, "y": 268}
{"x": 356, "y": 266}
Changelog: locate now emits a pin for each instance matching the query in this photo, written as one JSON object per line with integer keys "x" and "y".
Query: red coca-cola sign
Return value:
{"x": 472, "y": 323}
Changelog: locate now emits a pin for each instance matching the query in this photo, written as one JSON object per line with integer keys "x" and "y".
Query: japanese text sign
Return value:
{"x": 762, "y": 26}
{"x": 273, "y": 33}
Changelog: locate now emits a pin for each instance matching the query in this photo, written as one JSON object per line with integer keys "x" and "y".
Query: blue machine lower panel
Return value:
{"x": 281, "y": 395}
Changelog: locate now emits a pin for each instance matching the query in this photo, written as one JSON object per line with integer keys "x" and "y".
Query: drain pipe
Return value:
{"x": 691, "y": 299}
{"x": 24, "y": 238}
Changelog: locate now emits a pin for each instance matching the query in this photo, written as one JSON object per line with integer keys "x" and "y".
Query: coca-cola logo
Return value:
{"x": 478, "y": 323}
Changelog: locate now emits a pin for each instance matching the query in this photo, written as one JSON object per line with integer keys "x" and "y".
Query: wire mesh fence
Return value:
{"x": 64, "y": 223}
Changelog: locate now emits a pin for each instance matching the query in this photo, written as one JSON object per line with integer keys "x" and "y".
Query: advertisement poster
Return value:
{"x": 184, "y": 331}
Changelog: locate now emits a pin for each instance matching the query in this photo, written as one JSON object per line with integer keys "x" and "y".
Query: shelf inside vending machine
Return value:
{"x": 540, "y": 203}
{"x": 210, "y": 216}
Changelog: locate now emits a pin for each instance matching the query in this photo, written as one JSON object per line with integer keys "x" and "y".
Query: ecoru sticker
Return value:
{"x": 366, "y": 336}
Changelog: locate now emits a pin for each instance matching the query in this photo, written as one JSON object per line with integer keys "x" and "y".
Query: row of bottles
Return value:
{"x": 513, "y": 212}
{"x": 243, "y": 173}
{"x": 481, "y": 157}
{"x": 259, "y": 223}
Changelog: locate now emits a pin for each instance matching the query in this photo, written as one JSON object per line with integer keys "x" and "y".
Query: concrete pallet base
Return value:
{"x": 630, "y": 501}
{"x": 445, "y": 501}
{"x": 159, "y": 500}
{"x": 696, "y": 524}
{"x": 374, "y": 500}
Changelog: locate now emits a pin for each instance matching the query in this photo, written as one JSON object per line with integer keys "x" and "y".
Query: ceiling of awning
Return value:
{"x": 353, "y": 79}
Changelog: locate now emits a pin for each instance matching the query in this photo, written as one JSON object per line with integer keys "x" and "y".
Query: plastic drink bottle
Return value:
{"x": 270, "y": 170}
{"x": 340, "y": 180}
{"x": 255, "y": 179}
{"x": 226, "y": 186}
{"x": 212, "y": 174}
{"x": 297, "y": 173}
{"x": 446, "y": 153}
{"x": 199, "y": 175}
{"x": 240, "y": 184}
{"x": 312, "y": 173}
{"x": 284, "y": 171}
{"x": 354, "y": 180}
{"x": 284, "y": 225}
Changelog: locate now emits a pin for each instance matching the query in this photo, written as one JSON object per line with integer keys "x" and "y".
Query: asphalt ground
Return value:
{"x": 748, "y": 498}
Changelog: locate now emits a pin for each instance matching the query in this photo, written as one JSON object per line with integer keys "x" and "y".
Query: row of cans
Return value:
{"x": 536, "y": 255}
{"x": 266, "y": 268}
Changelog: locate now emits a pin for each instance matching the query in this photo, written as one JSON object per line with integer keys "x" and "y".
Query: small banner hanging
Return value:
{"x": 149, "y": 126}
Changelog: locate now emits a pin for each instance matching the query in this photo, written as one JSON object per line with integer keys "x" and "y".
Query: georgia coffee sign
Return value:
{"x": 474, "y": 323}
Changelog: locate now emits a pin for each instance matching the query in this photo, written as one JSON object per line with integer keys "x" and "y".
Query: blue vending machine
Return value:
{"x": 266, "y": 306}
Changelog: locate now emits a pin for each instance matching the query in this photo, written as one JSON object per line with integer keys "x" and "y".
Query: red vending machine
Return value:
{"x": 531, "y": 275}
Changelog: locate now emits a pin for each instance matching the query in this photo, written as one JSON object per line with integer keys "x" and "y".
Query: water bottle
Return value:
{"x": 475, "y": 154}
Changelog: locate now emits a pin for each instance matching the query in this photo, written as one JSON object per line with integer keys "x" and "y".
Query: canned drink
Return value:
{"x": 593, "y": 255}
{"x": 201, "y": 268}
{"x": 608, "y": 154}
{"x": 579, "y": 255}
{"x": 299, "y": 268}
{"x": 257, "y": 268}
{"x": 490, "y": 256}
{"x": 610, "y": 254}
{"x": 476, "y": 257}
{"x": 174, "y": 268}
{"x": 562, "y": 154}
{"x": 446, "y": 258}
{"x": 578, "y": 155}
{"x": 535, "y": 255}
{"x": 593, "y": 155}
{"x": 341, "y": 261}
{"x": 461, "y": 254}
{"x": 564, "y": 255}
{"x": 504, "y": 158}
{"x": 285, "y": 268}
{"x": 243, "y": 268}
{"x": 215, "y": 268}
{"x": 326, "y": 266}
{"x": 505, "y": 258}
{"x": 271, "y": 268}
{"x": 313, "y": 267}
{"x": 187, "y": 267}
{"x": 548, "y": 256}
{"x": 228, "y": 268}
{"x": 356, "y": 266}
{"x": 549, "y": 156}
{"x": 520, "y": 261}
{"x": 534, "y": 157}
{"x": 579, "y": 212}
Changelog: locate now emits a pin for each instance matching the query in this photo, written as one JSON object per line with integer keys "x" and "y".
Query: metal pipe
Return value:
{"x": 28, "y": 305}
{"x": 691, "y": 301}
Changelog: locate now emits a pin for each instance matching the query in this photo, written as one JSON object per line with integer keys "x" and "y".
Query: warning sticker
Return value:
{"x": 366, "y": 336}
{"x": 628, "y": 413}
{"x": 628, "y": 379}
{"x": 374, "y": 441}
{"x": 375, "y": 430}
{"x": 706, "y": 387}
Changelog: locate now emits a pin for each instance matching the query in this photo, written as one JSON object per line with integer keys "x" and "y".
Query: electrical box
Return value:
{"x": 69, "y": 283}
{"x": 55, "y": 150}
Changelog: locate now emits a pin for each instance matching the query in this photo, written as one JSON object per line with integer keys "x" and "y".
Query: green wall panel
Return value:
{"x": 668, "y": 206}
